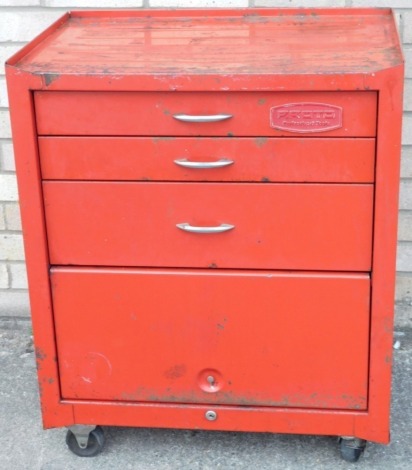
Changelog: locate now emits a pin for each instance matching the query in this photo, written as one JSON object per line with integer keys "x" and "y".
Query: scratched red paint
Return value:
{"x": 92, "y": 99}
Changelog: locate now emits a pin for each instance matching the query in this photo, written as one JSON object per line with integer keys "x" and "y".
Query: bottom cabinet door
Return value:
{"x": 225, "y": 337}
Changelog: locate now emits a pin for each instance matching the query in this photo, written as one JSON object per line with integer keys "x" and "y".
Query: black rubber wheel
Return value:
{"x": 94, "y": 446}
{"x": 351, "y": 449}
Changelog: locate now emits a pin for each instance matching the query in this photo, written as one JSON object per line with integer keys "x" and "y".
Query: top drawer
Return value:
{"x": 226, "y": 113}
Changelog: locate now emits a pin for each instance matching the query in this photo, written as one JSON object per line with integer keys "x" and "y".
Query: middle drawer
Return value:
{"x": 292, "y": 159}
{"x": 273, "y": 226}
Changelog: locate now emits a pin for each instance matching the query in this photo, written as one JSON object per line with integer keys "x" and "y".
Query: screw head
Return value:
{"x": 211, "y": 415}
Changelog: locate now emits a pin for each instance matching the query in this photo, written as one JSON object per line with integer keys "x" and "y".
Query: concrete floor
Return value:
{"x": 24, "y": 445}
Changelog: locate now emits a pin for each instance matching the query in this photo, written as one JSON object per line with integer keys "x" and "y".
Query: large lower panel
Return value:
{"x": 197, "y": 336}
{"x": 276, "y": 226}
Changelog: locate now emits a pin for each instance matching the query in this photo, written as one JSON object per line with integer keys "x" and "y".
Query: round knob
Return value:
{"x": 211, "y": 415}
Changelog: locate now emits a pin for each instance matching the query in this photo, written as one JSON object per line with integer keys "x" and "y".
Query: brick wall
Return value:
{"x": 21, "y": 20}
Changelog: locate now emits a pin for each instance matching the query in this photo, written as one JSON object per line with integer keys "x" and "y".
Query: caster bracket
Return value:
{"x": 81, "y": 432}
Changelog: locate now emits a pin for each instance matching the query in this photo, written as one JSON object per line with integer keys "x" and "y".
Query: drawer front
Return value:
{"x": 276, "y": 226}
{"x": 249, "y": 338}
{"x": 208, "y": 159}
{"x": 252, "y": 114}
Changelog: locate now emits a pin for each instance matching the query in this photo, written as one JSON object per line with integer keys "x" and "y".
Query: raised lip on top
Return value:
{"x": 196, "y": 12}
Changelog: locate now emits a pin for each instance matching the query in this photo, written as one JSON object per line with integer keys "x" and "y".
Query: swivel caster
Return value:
{"x": 85, "y": 441}
{"x": 351, "y": 448}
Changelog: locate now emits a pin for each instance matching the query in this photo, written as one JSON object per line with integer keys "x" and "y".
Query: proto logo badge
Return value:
{"x": 306, "y": 117}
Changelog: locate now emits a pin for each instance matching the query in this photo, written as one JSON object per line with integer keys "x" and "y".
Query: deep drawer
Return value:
{"x": 276, "y": 226}
{"x": 247, "y": 338}
{"x": 241, "y": 159}
{"x": 155, "y": 113}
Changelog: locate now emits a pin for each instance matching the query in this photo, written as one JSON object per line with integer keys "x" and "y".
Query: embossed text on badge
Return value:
{"x": 306, "y": 117}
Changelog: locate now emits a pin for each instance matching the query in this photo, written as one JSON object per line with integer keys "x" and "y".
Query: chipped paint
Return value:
{"x": 260, "y": 141}
{"x": 222, "y": 325}
{"x": 40, "y": 357}
{"x": 158, "y": 139}
{"x": 254, "y": 18}
{"x": 176, "y": 371}
{"x": 49, "y": 78}
{"x": 221, "y": 394}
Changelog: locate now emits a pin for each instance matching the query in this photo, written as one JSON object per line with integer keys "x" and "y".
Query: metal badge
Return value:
{"x": 306, "y": 117}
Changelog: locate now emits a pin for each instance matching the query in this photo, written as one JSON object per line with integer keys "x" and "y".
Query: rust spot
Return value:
{"x": 212, "y": 265}
{"x": 41, "y": 390}
{"x": 255, "y": 18}
{"x": 261, "y": 141}
{"x": 221, "y": 326}
{"x": 175, "y": 372}
{"x": 162, "y": 139}
{"x": 261, "y": 101}
{"x": 265, "y": 179}
{"x": 230, "y": 134}
{"x": 40, "y": 355}
{"x": 50, "y": 78}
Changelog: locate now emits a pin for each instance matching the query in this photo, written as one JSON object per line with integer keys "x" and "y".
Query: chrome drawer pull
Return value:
{"x": 218, "y": 164}
{"x": 206, "y": 118}
{"x": 190, "y": 228}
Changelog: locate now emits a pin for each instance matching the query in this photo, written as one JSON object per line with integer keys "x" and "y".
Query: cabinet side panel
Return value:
{"x": 375, "y": 426}
{"x": 31, "y": 205}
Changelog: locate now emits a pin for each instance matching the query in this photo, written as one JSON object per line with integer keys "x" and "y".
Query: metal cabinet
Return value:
{"x": 209, "y": 203}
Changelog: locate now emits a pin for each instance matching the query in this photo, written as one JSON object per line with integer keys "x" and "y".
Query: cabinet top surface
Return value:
{"x": 235, "y": 42}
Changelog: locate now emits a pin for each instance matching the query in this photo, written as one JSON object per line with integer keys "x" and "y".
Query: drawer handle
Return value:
{"x": 192, "y": 229}
{"x": 200, "y": 118}
{"x": 218, "y": 164}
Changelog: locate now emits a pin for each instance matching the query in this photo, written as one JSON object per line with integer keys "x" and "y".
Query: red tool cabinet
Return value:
{"x": 209, "y": 203}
